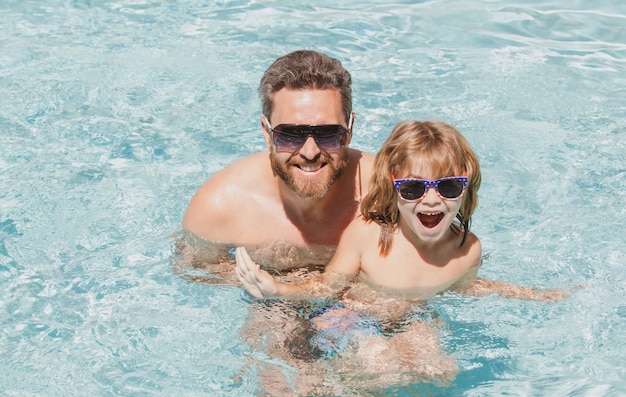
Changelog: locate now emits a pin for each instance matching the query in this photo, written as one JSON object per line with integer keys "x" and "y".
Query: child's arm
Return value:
{"x": 483, "y": 286}
{"x": 472, "y": 285}
{"x": 343, "y": 267}
{"x": 261, "y": 284}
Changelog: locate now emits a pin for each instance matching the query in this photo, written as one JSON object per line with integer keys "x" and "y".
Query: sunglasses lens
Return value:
{"x": 450, "y": 188}
{"x": 288, "y": 141}
{"x": 293, "y": 137}
{"x": 412, "y": 190}
{"x": 330, "y": 137}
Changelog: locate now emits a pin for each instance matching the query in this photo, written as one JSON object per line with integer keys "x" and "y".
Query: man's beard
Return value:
{"x": 304, "y": 187}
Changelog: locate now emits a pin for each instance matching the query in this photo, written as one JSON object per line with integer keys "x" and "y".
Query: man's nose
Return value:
{"x": 310, "y": 150}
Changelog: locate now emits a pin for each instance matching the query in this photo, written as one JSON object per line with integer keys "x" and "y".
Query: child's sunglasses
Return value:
{"x": 412, "y": 189}
{"x": 291, "y": 137}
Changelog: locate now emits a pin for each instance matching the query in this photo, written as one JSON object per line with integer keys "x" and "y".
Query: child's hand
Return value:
{"x": 553, "y": 294}
{"x": 258, "y": 282}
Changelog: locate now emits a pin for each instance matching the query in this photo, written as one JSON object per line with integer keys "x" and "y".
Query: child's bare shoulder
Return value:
{"x": 471, "y": 251}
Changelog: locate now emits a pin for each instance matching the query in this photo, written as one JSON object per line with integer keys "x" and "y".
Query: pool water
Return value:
{"x": 114, "y": 112}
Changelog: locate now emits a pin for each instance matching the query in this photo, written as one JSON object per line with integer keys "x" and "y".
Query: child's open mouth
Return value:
{"x": 430, "y": 220}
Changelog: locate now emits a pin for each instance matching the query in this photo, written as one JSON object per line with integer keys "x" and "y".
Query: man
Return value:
{"x": 306, "y": 188}
{"x": 290, "y": 204}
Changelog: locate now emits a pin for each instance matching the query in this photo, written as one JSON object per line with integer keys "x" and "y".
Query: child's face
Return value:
{"x": 429, "y": 217}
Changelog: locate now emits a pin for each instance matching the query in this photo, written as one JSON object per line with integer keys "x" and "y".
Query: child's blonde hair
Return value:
{"x": 433, "y": 144}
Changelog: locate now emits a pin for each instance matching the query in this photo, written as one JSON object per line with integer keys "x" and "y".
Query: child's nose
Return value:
{"x": 431, "y": 196}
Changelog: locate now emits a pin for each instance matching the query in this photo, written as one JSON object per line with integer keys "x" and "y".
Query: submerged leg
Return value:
{"x": 289, "y": 364}
{"x": 414, "y": 355}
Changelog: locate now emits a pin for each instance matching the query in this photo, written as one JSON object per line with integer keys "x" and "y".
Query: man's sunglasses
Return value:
{"x": 412, "y": 189}
{"x": 291, "y": 137}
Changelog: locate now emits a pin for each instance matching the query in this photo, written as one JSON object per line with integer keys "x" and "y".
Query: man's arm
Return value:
{"x": 199, "y": 260}
{"x": 213, "y": 222}
{"x": 201, "y": 251}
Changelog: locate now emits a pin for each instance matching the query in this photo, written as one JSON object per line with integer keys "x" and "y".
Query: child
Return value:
{"x": 413, "y": 238}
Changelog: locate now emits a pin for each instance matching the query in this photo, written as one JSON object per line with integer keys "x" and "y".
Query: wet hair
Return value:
{"x": 305, "y": 69}
{"x": 438, "y": 147}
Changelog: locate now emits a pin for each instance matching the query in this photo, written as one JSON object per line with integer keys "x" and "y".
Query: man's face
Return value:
{"x": 309, "y": 171}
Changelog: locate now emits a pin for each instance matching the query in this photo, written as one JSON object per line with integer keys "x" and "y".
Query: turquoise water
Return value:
{"x": 114, "y": 112}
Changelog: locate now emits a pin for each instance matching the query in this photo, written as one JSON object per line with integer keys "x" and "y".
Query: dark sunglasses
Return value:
{"x": 412, "y": 189}
{"x": 291, "y": 137}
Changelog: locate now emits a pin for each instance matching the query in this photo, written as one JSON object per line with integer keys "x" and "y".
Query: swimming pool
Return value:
{"x": 114, "y": 112}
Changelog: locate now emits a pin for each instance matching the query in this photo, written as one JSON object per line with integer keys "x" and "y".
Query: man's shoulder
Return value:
{"x": 257, "y": 159}
{"x": 360, "y": 229}
{"x": 225, "y": 192}
{"x": 363, "y": 165}
{"x": 222, "y": 187}
{"x": 252, "y": 167}
{"x": 361, "y": 156}
{"x": 364, "y": 159}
